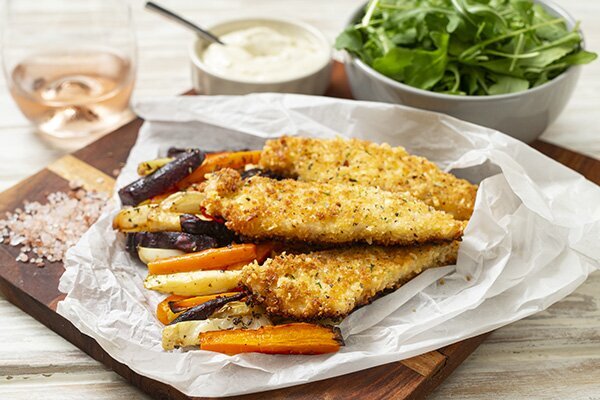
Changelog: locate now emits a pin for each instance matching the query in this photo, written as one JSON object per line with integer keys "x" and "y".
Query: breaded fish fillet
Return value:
{"x": 263, "y": 208}
{"x": 332, "y": 283}
{"x": 352, "y": 160}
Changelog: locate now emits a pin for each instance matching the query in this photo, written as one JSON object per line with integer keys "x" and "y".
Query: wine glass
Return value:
{"x": 70, "y": 65}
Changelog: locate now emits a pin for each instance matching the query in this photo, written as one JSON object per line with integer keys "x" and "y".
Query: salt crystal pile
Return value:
{"x": 47, "y": 231}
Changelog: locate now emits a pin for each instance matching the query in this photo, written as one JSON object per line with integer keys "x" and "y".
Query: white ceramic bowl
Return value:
{"x": 208, "y": 81}
{"x": 523, "y": 115}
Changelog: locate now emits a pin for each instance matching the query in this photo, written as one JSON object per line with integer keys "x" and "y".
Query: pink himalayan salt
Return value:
{"x": 47, "y": 231}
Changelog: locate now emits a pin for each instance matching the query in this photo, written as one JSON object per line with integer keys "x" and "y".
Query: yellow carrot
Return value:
{"x": 149, "y": 167}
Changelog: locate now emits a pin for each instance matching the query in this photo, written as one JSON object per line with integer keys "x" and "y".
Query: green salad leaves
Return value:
{"x": 464, "y": 47}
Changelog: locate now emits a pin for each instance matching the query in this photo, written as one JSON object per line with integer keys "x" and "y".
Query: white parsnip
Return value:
{"x": 195, "y": 283}
{"x": 187, "y": 333}
{"x": 183, "y": 202}
{"x": 146, "y": 218}
{"x": 148, "y": 254}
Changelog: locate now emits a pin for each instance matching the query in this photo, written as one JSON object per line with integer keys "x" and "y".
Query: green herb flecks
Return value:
{"x": 464, "y": 47}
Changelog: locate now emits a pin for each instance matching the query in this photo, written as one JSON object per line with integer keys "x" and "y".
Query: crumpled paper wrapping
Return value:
{"x": 532, "y": 240}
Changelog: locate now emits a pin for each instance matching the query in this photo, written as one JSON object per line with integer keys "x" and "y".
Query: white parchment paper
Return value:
{"x": 532, "y": 240}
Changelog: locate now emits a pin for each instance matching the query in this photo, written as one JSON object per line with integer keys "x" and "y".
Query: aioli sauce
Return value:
{"x": 265, "y": 54}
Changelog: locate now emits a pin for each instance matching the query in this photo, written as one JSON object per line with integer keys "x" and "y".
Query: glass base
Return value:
{"x": 74, "y": 140}
{"x": 75, "y": 124}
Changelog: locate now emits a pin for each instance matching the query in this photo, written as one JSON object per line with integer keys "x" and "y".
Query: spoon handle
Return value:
{"x": 188, "y": 24}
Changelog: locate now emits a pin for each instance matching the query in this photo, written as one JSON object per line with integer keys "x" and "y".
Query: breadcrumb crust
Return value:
{"x": 332, "y": 283}
{"x": 263, "y": 208}
{"x": 365, "y": 163}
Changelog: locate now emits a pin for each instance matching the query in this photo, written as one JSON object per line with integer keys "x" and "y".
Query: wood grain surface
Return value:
{"x": 35, "y": 290}
{"x": 553, "y": 354}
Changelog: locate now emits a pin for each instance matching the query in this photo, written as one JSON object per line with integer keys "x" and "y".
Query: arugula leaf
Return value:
{"x": 428, "y": 66}
{"x": 453, "y": 23}
{"x": 474, "y": 47}
{"x": 407, "y": 36}
{"x": 543, "y": 78}
{"x": 546, "y": 57}
{"x": 394, "y": 63}
{"x": 502, "y": 66}
{"x": 582, "y": 57}
{"x": 508, "y": 84}
{"x": 456, "y": 46}
{"x": 350, "y": 40}
{"x": 524, "y": 9}
{"x": 549, "y": 32}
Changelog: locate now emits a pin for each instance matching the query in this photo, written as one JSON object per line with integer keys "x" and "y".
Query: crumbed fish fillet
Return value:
{"x": 332, "y": 283}
{"x": 263, "y": 208}
{"x": 352, "y": 160}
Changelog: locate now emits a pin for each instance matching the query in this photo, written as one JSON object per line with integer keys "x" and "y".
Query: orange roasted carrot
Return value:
{"x": 163, "y": 311}
{"x": 296, "y": 338}
{"x": 217, "y": 161}
{"x": 264, "y": 250}
{"x": 179, "y": 305}
{"x": 206, "y": 259}
{"x": 237, "y": 266}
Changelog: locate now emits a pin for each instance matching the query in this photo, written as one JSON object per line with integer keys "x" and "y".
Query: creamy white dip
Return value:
{"x": 265, "y": 54}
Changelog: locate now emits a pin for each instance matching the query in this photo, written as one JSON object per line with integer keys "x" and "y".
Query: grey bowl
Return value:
{"x": 524, "y": 115}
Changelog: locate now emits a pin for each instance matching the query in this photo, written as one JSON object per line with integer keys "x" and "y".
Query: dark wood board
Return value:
{"x": 35, "y": 290}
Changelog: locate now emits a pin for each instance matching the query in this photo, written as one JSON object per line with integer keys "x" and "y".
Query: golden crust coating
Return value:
{"x": 352, "y": 160}
{"x": 263, "y": 208}
{"x": 332, "y": 283}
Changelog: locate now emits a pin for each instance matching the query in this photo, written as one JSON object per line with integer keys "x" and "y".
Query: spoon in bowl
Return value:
{"x": 182, "y": 21}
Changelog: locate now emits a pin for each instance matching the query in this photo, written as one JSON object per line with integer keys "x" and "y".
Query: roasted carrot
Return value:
{"x": 204, "y": 260}
{"x": 205, "y": 310}
{"x": 264, "y": 250}
{"x": 163, "y": 311}
{"x": 217, "y": 161}
{"x": 179, "y": 305}
{"x": 237, "y": 266}
{"x": 296, "y": 338}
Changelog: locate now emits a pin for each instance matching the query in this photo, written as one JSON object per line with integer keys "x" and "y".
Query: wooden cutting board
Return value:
{"x": 35, "y": 290}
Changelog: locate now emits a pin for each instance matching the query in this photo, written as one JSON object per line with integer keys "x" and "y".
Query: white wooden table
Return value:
{"x": 554, "y": 354}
